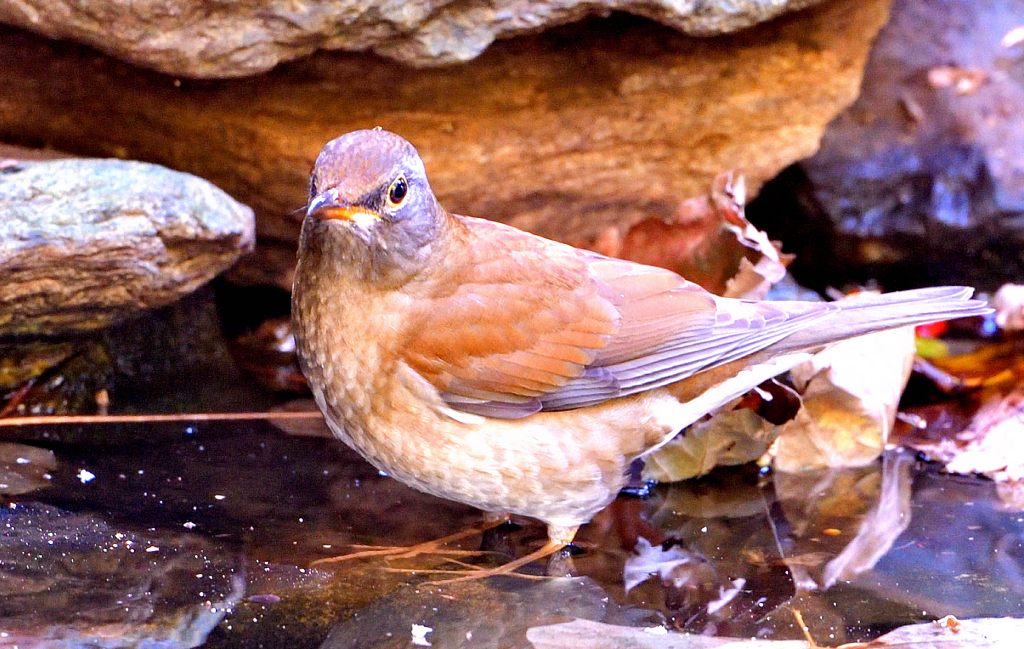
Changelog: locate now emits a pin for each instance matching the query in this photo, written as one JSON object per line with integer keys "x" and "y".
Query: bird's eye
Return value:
{"x": 397, "y": 191}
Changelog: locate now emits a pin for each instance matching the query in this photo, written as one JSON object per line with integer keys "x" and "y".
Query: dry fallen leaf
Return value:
{"x": 982, "y": 633}
{"x": 1009, "y": 305}
{"x": 585, "y": 634}
{"x": 728, "y": 438}
{"x": 706, "y": 241}
{"x": 850, "y": 395}
{"x": 994, "y": 442}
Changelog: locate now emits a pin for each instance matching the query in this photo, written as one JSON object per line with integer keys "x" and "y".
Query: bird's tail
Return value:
{"x": 869, "y": 312}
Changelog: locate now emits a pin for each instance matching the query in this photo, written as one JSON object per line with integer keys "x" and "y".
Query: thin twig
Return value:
{"x": 39, "y": 420}
{"x": 803, "y": 627}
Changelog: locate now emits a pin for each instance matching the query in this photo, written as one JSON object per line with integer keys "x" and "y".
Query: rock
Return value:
{"x": 21, "y": 363}
{"x": 206, "y": 39}
{"x": 57, "y": 376}
{"x": 167, "y": 360}
{"x": 594, "y": 125}
{"x": 86, "y": 243}
{"x": 476, "y": 614}
{"x": 10, "y": 155}
{"x": 921, "y": 180}
{"x": 76, "y": 580}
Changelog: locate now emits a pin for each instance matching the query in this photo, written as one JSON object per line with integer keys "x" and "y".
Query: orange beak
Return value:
{"x": 350, "y": 213}
{"x": 326, "y": 207}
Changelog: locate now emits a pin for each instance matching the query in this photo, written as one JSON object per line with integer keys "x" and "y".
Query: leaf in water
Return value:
{"x": 844, "y": 520}
{"x": 683, "y": 570}
{"x": 652, "y": 560}
{"x": 880, "y": 528}
{"x": 850, "y": 396}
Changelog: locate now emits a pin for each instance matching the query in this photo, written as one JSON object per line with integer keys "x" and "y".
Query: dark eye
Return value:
{"x": 397, "y": 191}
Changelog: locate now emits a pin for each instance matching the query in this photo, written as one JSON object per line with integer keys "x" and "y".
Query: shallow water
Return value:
{"x": 204, "y": 534}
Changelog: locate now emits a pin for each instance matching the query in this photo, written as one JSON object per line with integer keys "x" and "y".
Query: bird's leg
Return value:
{"x": 491, "y": 520}
{"x": 558, "y": 538}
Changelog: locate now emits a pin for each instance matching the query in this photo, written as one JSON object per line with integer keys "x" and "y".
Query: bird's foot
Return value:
{"x": 435, "y": 547}
{"x": 559, "y": 537}
{"x": 549, "y": 549}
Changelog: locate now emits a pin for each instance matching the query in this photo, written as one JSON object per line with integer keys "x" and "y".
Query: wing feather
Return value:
{"x": 507, "y": 322}
{"x": 515, "y": 324}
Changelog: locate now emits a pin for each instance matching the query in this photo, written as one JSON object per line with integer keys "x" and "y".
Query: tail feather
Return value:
{"x": 867, "y": 313}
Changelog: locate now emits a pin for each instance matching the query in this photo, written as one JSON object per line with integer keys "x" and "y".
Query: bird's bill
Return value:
{"x": 325, "y": 209}
{"x": 357, "y": 214}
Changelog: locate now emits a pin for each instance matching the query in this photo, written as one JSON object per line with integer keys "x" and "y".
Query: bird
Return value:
{"x": 490, "y": 366}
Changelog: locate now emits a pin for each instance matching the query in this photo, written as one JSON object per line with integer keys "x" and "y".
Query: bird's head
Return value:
{"x": 371, "y": 207}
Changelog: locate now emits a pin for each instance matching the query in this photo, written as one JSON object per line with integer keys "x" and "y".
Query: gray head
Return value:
{"x": 370, "y": 202}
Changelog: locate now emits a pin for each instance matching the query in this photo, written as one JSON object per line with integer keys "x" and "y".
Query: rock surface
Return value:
{"x": 921, "y": 180}
{"x": 211, "y": 39}
{"x": 85, "y": 243}
{"x": 76, "y": 580}
{"x": 587, "y": 127}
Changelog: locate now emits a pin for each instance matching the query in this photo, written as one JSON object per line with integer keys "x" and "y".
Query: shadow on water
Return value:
{"x": 205, "y": 533}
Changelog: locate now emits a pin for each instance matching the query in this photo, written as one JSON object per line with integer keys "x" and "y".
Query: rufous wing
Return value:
{"x": 514, "y": 324}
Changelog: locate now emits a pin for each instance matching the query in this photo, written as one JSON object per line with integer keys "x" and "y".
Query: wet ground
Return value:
{"x": 204, "y": 534}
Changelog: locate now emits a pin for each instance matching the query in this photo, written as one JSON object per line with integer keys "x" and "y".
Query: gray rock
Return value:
{"x": 213, "y": 39}
{"x": 86, "y": 243}
{"x": 76, "y": 580}
{"x": 921, "y": 180}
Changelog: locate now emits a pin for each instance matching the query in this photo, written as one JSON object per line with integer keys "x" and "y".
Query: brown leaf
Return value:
{"x": 994, "y": 442}
{"x": 728, "y": 438}
{"x": 850, "y": 396}
{"x": 707, "y": 242}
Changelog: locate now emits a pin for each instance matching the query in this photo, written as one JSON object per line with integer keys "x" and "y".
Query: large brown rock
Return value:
{"x": 216, "y": 39}
{"x": 86, "y": 243}
{"x": 569, "y": 133}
